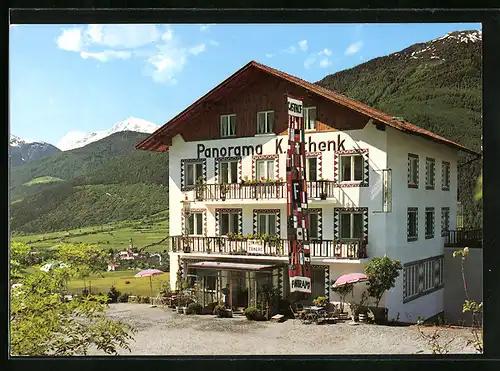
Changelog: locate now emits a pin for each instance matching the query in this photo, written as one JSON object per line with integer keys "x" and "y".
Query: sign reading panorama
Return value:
{"x": 300, "y": 283}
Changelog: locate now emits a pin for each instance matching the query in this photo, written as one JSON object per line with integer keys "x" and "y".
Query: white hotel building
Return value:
{"x": 376, "y": 186}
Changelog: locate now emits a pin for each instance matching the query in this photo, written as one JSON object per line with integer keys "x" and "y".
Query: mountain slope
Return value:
{"x": 78, "y": 139}
{"x": 23, "y": 151}
{"x": 435, "y": 85}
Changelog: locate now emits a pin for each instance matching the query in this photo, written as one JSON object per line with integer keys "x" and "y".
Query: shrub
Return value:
{"x": 320, "y": 301}
{"x": 195, "y": 308}
{"x": 220, "y": 311}
{"x": 123, "y": 298}
{"x": 382, "y": 274}
{"x": 113, "y": 294}
{"x": 253, "y": 314}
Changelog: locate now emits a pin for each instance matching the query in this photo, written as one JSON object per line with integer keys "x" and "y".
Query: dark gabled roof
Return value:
{"x": 154, "y": 141}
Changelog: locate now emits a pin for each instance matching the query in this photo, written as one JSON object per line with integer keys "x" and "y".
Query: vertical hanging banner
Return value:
{"x": 297, "y": 217}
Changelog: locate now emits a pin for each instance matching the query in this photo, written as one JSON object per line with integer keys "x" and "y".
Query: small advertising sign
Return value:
{"x": 255, "y": 247}
{"x": 301, "y": 284}
{"x": 295, "y": 107}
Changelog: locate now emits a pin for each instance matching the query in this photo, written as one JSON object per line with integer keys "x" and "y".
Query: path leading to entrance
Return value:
{"x": 163, "y": 332}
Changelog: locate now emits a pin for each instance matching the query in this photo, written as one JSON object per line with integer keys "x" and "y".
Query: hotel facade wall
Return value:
{"x": 399, "y": 145}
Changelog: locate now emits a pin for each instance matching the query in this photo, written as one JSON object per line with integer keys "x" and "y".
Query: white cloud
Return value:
{"x": 269, "y": 55}
{"x": 309, "y": 62}
{"x": 157, "y": 46}
{"x": 361, "y": 58}
{"x": 354, "y": 48}
{"x": 326, "y": 52}
{"x": 70, "y": 39}
{"x": 206, "y": 27}
{"x": 197, "y": 49}
{"x": 292, "y": 49}
{"x": 303, "y": 45}
{"x": 324, "y": 63}
{"x": 107, "y": 55}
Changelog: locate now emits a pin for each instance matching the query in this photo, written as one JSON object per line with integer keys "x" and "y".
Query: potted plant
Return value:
{"x": 200, "y": 188}
{"x": 224, "y": 188}
{"x": 320, "y": 301}
{"x": 322, "y": 192}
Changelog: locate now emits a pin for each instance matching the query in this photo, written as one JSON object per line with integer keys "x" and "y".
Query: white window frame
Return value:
{"x": 194, "y": 225}
{"x": 229, "y": 172}
{"x": 317, "y": 235}
{"x": 409, "y": 237}
{"x": 353, "y": 172}
{"x": 430, "y": 172}
{"x": 351, "y": 232}
{"x": 414, "y": 163}
{"x": 266, "y": 124}
{"x": 308, "y": 168}
{"x": 446, "y": 175}
{"x": 225, "y": 123}
{"x": 192, "y": 166}
{"x": 268, "y": 224}
{"x": 307, "y": 123}
{"x": 266, "y": 167}
{"x": 232, "y": 215}
{"x": 430, "y": 234}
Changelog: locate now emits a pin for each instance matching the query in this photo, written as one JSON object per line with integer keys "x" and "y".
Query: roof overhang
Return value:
{"x": 227, "y": 266}
{"x": 161, "y": 138}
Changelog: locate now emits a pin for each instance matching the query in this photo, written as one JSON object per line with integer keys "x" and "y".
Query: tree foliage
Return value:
{"x": 382, "y": 274}
{"x": 43, "y": 322}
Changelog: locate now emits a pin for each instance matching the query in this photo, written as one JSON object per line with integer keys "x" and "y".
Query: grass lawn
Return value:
{"x": 137, "y": 286}
{"x": 116, "y": 236}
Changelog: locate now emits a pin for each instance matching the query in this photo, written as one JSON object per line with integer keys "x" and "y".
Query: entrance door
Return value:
{"x": 240, "y": 291}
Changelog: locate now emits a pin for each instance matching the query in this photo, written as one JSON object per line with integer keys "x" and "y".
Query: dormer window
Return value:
{"x": 227, "y": 126}
{"x": 265, "y": 122}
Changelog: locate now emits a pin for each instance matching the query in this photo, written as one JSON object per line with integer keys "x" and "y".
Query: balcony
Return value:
{"x": 339, "y": 249}
{"x": 472, "y": 238}
{"x": 260, "y": 191}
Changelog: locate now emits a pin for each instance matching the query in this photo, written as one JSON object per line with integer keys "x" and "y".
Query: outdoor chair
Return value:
{"x": 332, "y": 312}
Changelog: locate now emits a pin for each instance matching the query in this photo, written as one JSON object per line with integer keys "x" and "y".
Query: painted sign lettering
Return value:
{"x": 302, "y": 284}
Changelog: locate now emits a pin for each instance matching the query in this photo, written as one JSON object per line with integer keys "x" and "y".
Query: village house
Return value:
{"x": 377, "y": 185}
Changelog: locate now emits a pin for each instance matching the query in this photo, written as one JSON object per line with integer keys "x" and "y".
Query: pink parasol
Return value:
{"x": 149, "y": 273}
{"x": 350, "y": 278}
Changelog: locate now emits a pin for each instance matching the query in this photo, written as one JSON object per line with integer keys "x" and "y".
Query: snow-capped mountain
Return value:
{"x": 443, "y": 47}
{"x": 23, "y": 151}
{"x": 78, "y": 139}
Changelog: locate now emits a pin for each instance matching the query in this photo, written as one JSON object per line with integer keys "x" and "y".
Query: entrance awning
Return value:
{"x": 232, "y": 266}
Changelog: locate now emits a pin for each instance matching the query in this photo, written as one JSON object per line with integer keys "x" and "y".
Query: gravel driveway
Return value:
{"x": 163, "y": 332}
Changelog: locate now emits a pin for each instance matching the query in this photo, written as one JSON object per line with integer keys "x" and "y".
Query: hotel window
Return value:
{"x": 422, "y": 277}
{"x": 312, "y": 169}
{"x": 412, "y": 170}
{"x": 229, "y": 223}
{"x": 310, "y": 118}
{"x": 265, "y": 122}
{"x": 429, "y": 222}
{"x": 195, "y": 223}
{"x": 445, "y": 221}
{"x": 430, "y": 173}
{"x": 351, "y": 168}
{"x": 193, "y": 172}
{"x": 228, "y": 172}
{"x": 227, "y": 125}
{"x": 351, "y": 225}
{"x": 412, "y": 221}
{"x": 266, "y": 224}
{"x": 314, "y": 226}
{"x": 265, "y": 169}
{"x": 445, "y": 176}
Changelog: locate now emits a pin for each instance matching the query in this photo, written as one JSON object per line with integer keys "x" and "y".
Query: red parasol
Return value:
{"x": 149, "y": 273}
{"x": 350, "y": 278}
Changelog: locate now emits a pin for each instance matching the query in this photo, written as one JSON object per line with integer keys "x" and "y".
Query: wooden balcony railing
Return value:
{"x": 472, "y": 238}
{"x": 339, "y": 249}
{"x": 259, "y": 191}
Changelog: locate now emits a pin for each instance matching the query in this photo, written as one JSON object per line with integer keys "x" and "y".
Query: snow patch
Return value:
{"x": 78, "y": 139}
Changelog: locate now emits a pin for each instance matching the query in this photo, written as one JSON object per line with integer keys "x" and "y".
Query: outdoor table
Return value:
{"x": 314, "y": 313}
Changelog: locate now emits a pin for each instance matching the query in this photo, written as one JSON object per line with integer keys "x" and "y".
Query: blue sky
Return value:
{"x": 88, "y": 77}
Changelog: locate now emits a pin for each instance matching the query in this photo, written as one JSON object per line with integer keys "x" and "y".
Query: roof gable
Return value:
{"x": 159, "y": 140}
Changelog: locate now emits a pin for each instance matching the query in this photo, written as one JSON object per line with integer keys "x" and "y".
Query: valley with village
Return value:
{"x": 268, "y": 227}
